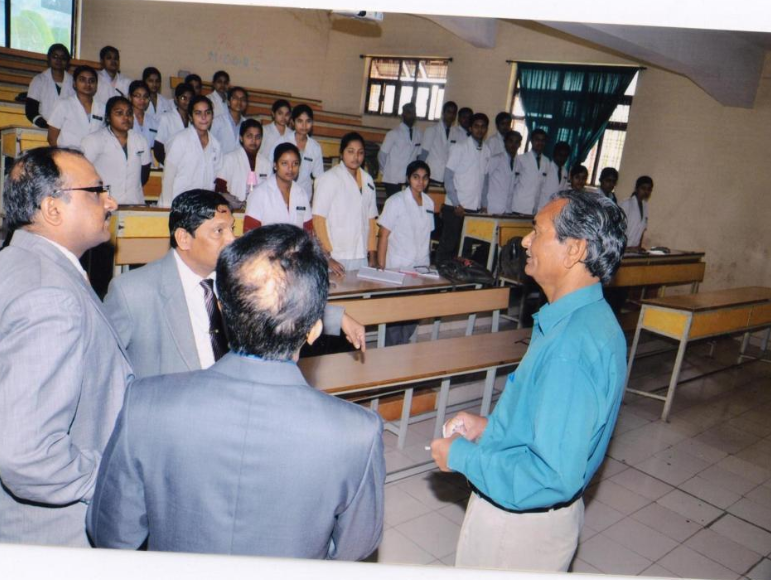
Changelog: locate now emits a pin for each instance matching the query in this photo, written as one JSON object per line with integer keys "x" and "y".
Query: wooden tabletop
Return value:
{"x": 714, "y": 300}
{"x": 350, "y": 285}
{"x": 351, "y": 372}
{"x": 645, "y": 258}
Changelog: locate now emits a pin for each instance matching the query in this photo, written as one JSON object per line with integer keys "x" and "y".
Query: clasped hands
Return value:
{"x": 462, "y": 425}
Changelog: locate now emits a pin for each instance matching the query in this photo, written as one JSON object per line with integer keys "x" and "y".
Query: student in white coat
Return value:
{"x": 158, "y": 103}
{"x": 227, "y": 127}
{"x": 503, "y": 125}
{"x": 49, "y": 86}
{"x": 464, "y": 120}
{"x": 311, "y": 156}
{"x": 194, "y": 157}
{"x": 608, "y": 181}
{"x": 636, "y": 210}
{"x": 404, "y": 240}
{"x": 438, "y": 139}
{"x": 278, "y": 131}
{"x": 243, "y": 169}
{"x": 500, "y": 179}
{"x": 401, "y": 146}
{"x": 558, "y": 177}
{"x": 111, "y": 82}
{"x": 194, "y": 81}
{"x": 145, "y": 123}
{"x": 532, "y": 169}
{"x": 464, "y": 177}
{"x": 174, "y": 122}
{"x": 75, "y": 117}
{"x": 280, "y": 199}
{"x": 120, "y": 154}
{"x": 220, "y": 94}
{"x": 345, "y": 210}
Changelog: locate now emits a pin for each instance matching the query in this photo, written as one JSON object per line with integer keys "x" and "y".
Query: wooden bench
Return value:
{"x": 700, "y": 316}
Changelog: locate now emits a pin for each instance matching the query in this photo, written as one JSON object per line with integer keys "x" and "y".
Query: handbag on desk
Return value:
{"x": 464, "y": 271}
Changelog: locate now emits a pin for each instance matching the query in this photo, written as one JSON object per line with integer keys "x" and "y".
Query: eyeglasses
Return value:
{"x": 97, "y": 189}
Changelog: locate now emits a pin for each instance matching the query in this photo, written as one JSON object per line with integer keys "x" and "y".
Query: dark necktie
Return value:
{"x": 410, "y": 133}
{"x": 447, "y": 132}
{"x": 538, "y": 161}
{"x": 219, "y": 342}
{"x": 511, "y": 163}
{"x": 559, "y": 175}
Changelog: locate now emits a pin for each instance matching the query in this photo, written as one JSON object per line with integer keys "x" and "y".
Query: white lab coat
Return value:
{"x": 636, "y": 223}
{"x": 188, "y": 165}
{"x": 271, "y": 137}
{"x": 468, "y": 160}
{"x": 398, "y": 151}
{"x": 73, "y": 122}
{"x": 437, "y": 144}
{"x": 235, "y": 172}
{"x": 108, "y": 88}
{"x": 347, "y": 211}
{"x": 220, "y": 105}
{"x": 149, "y": 129}
{"x": 169, "y": 124}
{"x": 42, "y": 88}
{"x": 495, "y": 143}
{"x": 410, "y": 225}
{"x": 311, "y": 163}
{"x": 227, "y": 132}
{"x": 501, "y": 178}
{"x": 553, "y": 184}
{"x": 122, "y": 171}
{"x": 266, "y": 204}
{"x": 164, "y": 106}
{"x": 530, "y": 182}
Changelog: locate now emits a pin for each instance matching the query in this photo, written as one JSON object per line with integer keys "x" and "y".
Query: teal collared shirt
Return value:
{"x": 550, "y": 429}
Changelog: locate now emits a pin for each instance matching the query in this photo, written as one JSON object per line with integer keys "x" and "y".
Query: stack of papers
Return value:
{"x": 385, "y": 276}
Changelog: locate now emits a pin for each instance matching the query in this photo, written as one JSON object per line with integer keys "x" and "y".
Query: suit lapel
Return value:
{"x": 175, "y": 312}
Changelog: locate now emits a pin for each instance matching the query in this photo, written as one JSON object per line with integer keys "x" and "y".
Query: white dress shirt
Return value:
{"x": 398, "y": 151}
{"x": 410, "y": 225}
{"x": 271, "y": 137}
{"x": 227, "y": 132}
{"x": 495, "y": 143}
{"x": 636, "y": 222}
{"x": 437, "y": 143}
{"x": 468, "y": 160}
{"x": 74, "y": 123}
{"x": 188, "y": 165}
{"x": 235, "y": 172}
{"x": 108, "y": 87}
{"x": 501, "y": 179}
{"x": 196, "y": 309}
{"x": 311, "y": 162}
{"x": 556, "y": 181}
{"x": 169, "y": 125}
{"x": 266, "y": 204}
{"x": 122, "y": 171}
{"x": 530, "y": 182}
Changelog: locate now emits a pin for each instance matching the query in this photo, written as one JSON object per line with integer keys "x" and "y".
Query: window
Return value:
{"x": 393, "y": 82}
{"x": 37, "y": 24}
{"x": 609, "y": 148}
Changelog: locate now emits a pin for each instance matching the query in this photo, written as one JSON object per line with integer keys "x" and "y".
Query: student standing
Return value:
{"x": 401, "y": 146}
{"x": 120, "y": 154}
{"x": 280, "y": 199}
{"x": 194, "y": 157}
{"x": 438, "y": 140}
{"x": 500, "y": 179}
{"x": 503, "y": 126}
{"x": 311, "y": 156}
{"x": 158, "y": 103}
{"x": 226, "y": 128}
{"x": 636, "y": 210}
{"x": 220, "y": 95}
{"x": 608, "y": 181}
{"x": 111, "y": 82}
{"x": 173, "y": 122}
{"x": 243, "y": 169}
{"x": 558, "y": 177}
{"x": 463, "y": 179}
{"x": 49, "y": 86}
{"x": 404, "y": 241}
{"x": 532, "y": 169}
{"x": 344, "y": 210}
{"x": 464, "y": 120}
{"x": 195, "y": 82}
{"x": 278, "y": 131}
{"x": 145, "y": 123}
{"x": 579, "y": 175}
{"x": 75, "y": 117}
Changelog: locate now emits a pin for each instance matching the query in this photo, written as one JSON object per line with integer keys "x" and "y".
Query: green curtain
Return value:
{"x": 571, "y": 103}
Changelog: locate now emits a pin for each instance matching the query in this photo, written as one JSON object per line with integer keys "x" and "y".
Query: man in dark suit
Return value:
{"x": 246, "y": 457}
{"x": 160, "y": 310}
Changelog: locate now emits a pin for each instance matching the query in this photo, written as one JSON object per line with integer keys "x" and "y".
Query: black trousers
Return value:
{"x": 452, "y": 226}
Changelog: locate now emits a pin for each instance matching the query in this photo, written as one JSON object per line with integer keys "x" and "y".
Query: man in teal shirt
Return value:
{"x": 531, "y": 459}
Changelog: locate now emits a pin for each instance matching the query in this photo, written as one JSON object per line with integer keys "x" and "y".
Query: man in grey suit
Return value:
{"x": 62, "y": 370}
{"x": 245, "y": 457}
{"x": 159, "y": 309}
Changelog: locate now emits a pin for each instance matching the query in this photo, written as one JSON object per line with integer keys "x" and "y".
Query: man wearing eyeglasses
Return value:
{"x": 63, "y": 372}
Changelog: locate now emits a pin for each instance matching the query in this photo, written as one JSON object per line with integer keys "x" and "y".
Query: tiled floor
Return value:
{"x": 687, "y": 498}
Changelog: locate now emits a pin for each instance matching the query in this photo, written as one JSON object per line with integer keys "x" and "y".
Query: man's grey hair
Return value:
{"x": 598, "y": 220}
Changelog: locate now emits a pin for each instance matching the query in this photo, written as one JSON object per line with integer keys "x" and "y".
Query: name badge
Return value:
{"x": 140, "y": 152}
{"x": 372, "y": 187}
{"x": 153, "y": 130}
{"x": 97, "y": 117}
{"x": 428, "y": 211}
{"x": 417, "y": 144}
{"x": 544, "y": 174}
{"x": 300, "y": 208}
{"x": 516, "y": 173}
{"x": 307, "y": 159}
{"x": 264, "y": 175}
{"x": 453, "y": 141}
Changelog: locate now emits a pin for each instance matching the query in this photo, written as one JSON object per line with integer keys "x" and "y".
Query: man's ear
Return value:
{"x": 51, "y": 211}
{"x": 576, "y": 252}
{"x": 314, "y": 332}
{"x": 183, "y": 238}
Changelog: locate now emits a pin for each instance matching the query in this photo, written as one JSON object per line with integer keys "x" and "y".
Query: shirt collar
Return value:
{"x": 550, "y": 314}
{"x": 67, "y": 254}
{"x": 189, "y": 279}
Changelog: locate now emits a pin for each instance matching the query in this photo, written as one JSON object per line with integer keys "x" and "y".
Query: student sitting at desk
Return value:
{"x": 243, "y": 169}
{"x": 500, "y": 179}
{"x": 49, "y": 86}
{"x": 404, "y": 241}
{"x": 280, "y": 199}
{"x": 120, "y": 154}
{"x": 173, "y": 122}
{"x": 636, "y": 210}
{"x": 75, "y": 117}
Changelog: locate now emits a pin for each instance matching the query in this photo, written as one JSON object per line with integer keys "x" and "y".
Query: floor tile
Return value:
{"x": 727, "y": 438}
{"x": 667, "y": 522}
{"x": 398, "y": 549}
{"x": 688, "y": 563}
{"x": 761, "y": 495}
{"x": 619, "y": 497}
{"x": 723, "y": 551}
{"x": 432, "y": 491}
{"x": 581, "y": 567}
{"x": 642, "y": 483}
{"x": 401, "y": 506}
{"x": 641, "y": 539}
{"x": 396, "y": 460}
{"x": 657, "y": 571}
{"x": 673, "y": 466}
{"x": 454, "y": 512}
{"x": 727, "y": 479}
{"x": 745, "y": 469}
{"x": 611, "y": 557}
{"x": 599, "y": 516}
{"x": 448, "y": 560}
{"x": 690, "y": 507}
{"x": 628, "y": 421}
{"x": 433, "y": 533}
{"x": 711, "y": 492}
{"x": 756, "y": 457}
{"x": 752, "y": 512}
{"x": 762, "y": 571}
{"x": 609, "y": 468}
{"x": 701, "y": 450}
{"x": 744, "y": 533}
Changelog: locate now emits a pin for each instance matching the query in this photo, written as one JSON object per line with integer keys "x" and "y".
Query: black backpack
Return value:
{"x": 464, "y": 271}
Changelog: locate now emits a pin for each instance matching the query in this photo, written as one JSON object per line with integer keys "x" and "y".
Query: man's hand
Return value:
{"x": 336, "y": 267}
{"x": 354, "y": 333}
{"x": 459, "y": 211}
{"x": 440, "y": 451}
{"x": 466, "y": 424}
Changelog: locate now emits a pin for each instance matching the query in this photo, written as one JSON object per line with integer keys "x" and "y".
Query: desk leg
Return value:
{"x": 764, "y": 344}
{"x": 381, "y": 335}
{"x": 745, "y": 344}
{"x": 496, "y": 320}
{"x": 405, "y": 422}
{"x": 675, "y": 374}
{"x": 435, "y": 329}
{"x": 470, "y": 325}
{"x": 441, "y": 408}
{"x": 487, "y": 394}
{"x": 633, "y": 352}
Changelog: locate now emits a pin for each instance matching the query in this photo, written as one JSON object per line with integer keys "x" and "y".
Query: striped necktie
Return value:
{"x": 219, "y": 342}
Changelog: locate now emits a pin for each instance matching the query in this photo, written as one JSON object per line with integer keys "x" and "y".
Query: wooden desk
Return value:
{"x": 350, "y": 286}
{"x": 699, "y": 316}
{"x": 496, "y": 230}
{"x": 677, "y": 267}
